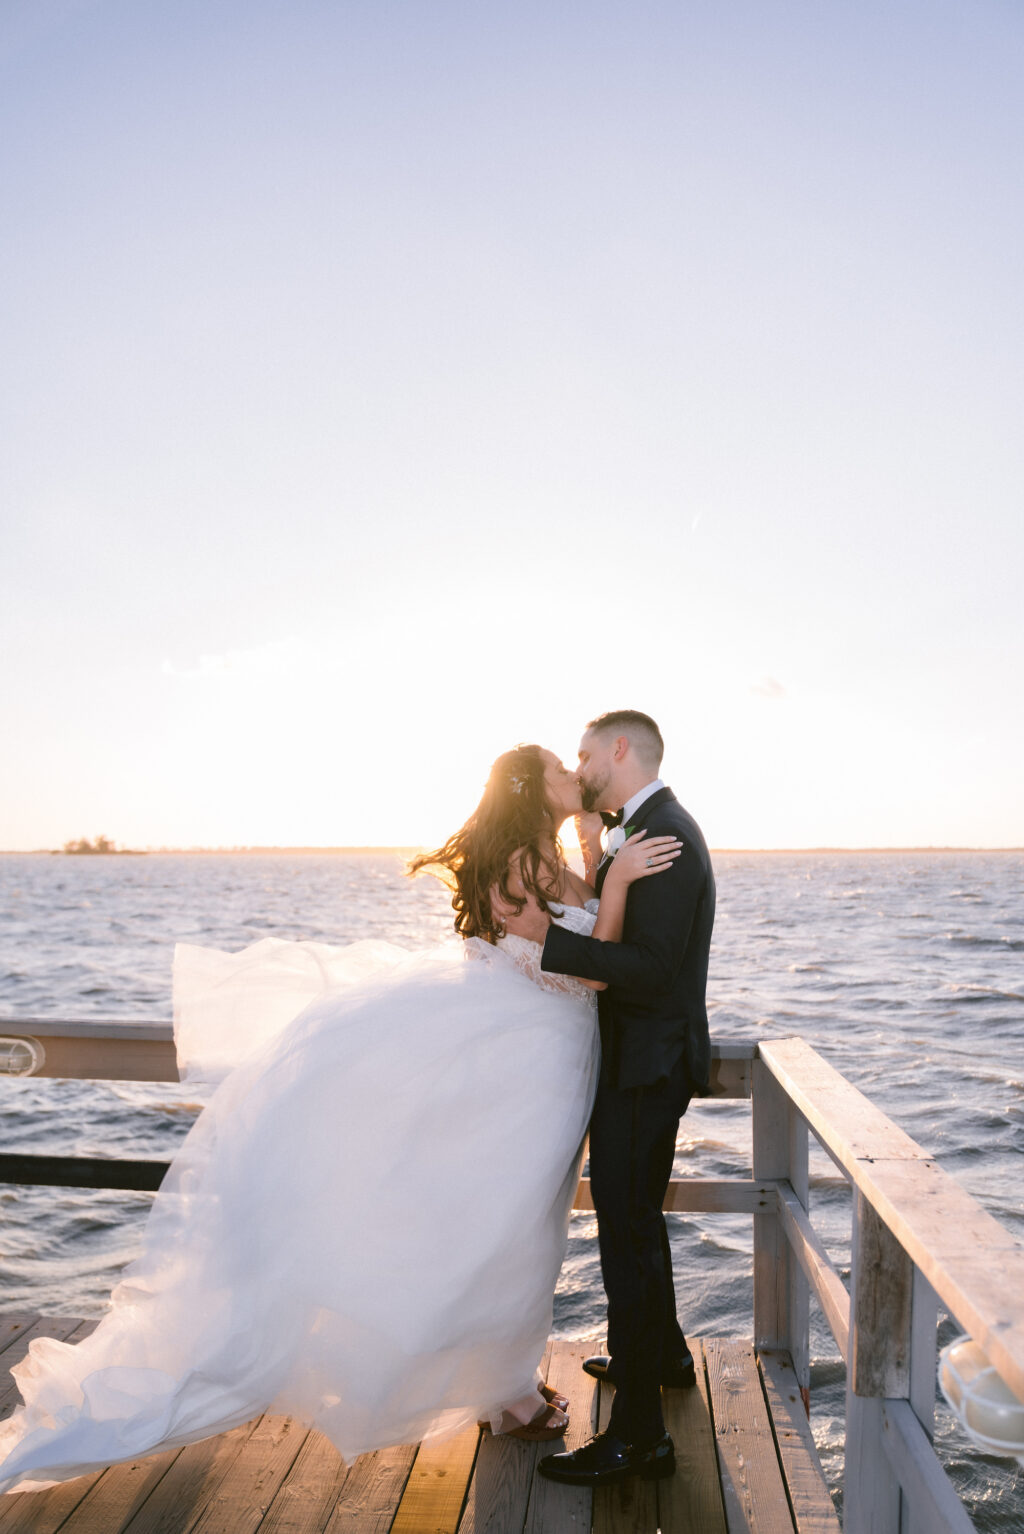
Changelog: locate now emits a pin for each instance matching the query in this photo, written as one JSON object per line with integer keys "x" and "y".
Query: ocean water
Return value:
{"x": 906, "y": 970}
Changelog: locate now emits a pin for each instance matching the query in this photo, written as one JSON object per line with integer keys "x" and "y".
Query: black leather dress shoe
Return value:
{"x": 679, "y": 1375}
{"x": 605, "y": 1459}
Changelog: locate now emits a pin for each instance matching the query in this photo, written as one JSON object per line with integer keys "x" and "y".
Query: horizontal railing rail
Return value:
{"x": 144, "y": 1175}
{"x": 133, "y": 1050}
{"x": 87, "y": 1049}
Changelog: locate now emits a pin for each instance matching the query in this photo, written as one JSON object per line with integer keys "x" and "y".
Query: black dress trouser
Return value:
{"x": 632, "y": 1146}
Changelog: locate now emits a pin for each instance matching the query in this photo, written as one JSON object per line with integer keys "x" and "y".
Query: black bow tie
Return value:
{"x": 611, "y": 820}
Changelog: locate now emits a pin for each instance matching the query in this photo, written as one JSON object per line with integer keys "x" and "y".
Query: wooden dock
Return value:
{"x": 746, "y": 1462}
{"x": 746, "y": 1459}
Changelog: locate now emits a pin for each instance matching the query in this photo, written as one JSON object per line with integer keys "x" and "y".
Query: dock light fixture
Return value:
{"x": 21, "y": 1057}
{"x": 987, "y": 1409}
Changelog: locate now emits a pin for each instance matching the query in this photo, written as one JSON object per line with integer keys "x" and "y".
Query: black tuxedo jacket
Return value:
{"x": 654, "y": 1010}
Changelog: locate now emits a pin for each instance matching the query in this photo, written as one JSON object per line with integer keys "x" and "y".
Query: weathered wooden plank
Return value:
{"x": 871, "y": 1493}
{"x": 799, "y": 1295}
{"x": 734, "y": 1049}
{"x": 924, "y": 1325}
{"x": 721, "y": 1195}
{"x": 705, "y": 1195}
{"x": 780, "y": 1288}
{"x": 181, "y": 1496}
{"x": 112, "y": 1028}
{"x": 730, "y": 1073}
{"x": 42, "y": 1512}
{"x": 818, "y": 1266}
{"x": 126, "y": 1049}
{"x": 554, "y": 1508}
{"x": 710, "y": 1195}
{"x": 847, "y": 1123}
{"x": 498, "y": 1493}
{"x": 809, "y": 1498}
{"x": 880, "y": 1308}
{"x": 253, "y": 1478}
{"x": 372, "y": 1492}
{"x": 929, "y": 1492}
{"x": 307, "y": 1495}
{"x": 691, "y": 1500}
{"x": 436, "y": 1488}
{"x": 145, "y": 1028}
{"x": 753, "y": 1491}
{"x": 499, "y": 1489}
{"x": 83, "y": 1172}
{"x": 12, "y": 1326}
{"x": 61, "y": 1328}
{"x": 972, "y": 1262}
{"x": 631, "y": 1507}
{"x": 116, "y": 1495}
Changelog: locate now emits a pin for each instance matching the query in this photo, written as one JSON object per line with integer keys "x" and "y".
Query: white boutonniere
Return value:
{"x": 617, "y": 836}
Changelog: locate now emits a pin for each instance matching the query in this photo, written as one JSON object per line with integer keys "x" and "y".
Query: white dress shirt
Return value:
{"x": 631, "y": 806}
{"x": 614, "y": 839}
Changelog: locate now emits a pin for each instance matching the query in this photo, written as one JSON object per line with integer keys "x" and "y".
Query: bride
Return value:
{"x": 364, "y": 1227}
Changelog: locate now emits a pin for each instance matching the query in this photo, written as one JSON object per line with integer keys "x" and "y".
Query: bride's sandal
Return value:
{"x": 551, "y": 1423}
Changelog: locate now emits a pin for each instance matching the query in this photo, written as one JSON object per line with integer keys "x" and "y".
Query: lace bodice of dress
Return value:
{"x": 525, "y": 955}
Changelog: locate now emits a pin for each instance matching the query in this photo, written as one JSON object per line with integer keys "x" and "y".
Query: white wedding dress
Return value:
{"x": 364, "y": 1227}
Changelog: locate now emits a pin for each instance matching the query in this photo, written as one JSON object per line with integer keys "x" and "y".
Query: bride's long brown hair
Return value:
{"x": 513, "y": 816}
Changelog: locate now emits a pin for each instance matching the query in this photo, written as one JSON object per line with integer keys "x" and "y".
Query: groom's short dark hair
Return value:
{"x": 643, "y": 733}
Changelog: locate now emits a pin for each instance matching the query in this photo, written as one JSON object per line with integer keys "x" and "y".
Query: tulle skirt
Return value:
{"x": 364, "y": 1227}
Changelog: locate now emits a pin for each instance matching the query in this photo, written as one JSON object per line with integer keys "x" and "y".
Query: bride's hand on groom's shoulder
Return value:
{"x": 643, "y": 855}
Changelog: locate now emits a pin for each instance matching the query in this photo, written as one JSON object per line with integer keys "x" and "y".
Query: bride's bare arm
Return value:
{"x": 588, "y": 833}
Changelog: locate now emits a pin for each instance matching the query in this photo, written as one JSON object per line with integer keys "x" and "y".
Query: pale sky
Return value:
{"x": 383, "y": 382}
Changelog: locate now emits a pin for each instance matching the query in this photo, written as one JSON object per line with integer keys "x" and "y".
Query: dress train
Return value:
{"x": 363, "y": 1228}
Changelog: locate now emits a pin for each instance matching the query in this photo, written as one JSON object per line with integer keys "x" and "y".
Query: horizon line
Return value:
{"x": 254, "y": 849}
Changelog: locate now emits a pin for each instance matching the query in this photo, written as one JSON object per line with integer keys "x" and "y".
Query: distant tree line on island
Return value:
{"x": 98, "y": 844}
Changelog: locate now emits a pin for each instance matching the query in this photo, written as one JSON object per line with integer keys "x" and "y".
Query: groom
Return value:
{"x": 655, "y": 1056}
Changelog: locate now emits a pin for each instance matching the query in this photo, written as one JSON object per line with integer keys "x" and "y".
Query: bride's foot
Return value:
{"x": 562, "y": 1402}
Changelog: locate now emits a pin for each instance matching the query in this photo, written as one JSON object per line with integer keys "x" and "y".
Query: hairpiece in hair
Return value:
{"x": 517, "y": 784}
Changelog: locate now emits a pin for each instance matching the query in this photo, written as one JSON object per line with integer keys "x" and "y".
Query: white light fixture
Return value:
{"x": 988, "y": 1411}
{"x": 21, "y": 1057}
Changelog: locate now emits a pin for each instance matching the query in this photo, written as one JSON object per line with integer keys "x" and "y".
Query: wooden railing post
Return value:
{"x": 781, "y": 1309}
{"x": 924, "y": 1324}
{"x": 878, "y": 1368}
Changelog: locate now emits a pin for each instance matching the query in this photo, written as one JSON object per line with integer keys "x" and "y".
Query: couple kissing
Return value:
{"x": 365, "y": 1225}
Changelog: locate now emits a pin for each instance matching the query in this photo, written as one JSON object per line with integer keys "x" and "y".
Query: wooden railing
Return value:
{"x": 918, "y": 1241}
